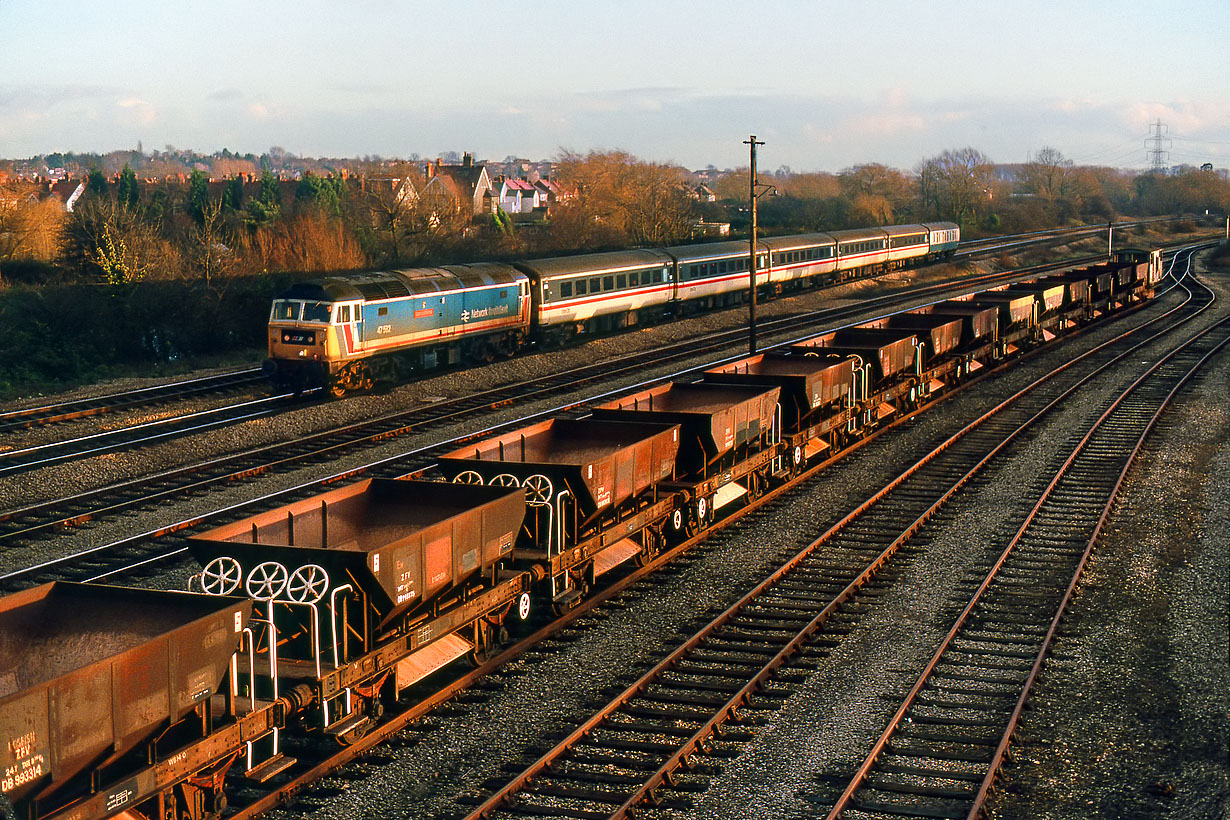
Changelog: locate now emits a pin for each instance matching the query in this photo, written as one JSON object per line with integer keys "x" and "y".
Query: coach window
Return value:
{"x": 565, "y": 289}
{"x": 581, "y": 291}
{"x": 621, "y": 281}
{"x": 634, "y": 279}
{"x": 595, "y": 286}
{"x": 608, "y": 283}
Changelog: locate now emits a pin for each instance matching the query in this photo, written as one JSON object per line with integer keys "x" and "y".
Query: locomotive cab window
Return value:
{"x": 343, "y": 314}
{"x": 317, "y": 312}
{"x": 285, "y": 311}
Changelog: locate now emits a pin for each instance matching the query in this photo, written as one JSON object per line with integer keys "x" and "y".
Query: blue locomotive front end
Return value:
{"x": 345, "y": 333}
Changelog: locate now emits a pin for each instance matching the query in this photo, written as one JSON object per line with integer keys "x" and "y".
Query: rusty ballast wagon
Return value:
{"x": 98, "y": 683}
{"x": 817, "y": 400}
{"x": 892, "y": 366}
{"x": 375, "y": 583}
{"x": 592, "y": 490}
{"x": 727, "y": 435}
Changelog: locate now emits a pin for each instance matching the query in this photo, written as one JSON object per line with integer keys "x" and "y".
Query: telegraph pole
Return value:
{"x": 753, "y": 195}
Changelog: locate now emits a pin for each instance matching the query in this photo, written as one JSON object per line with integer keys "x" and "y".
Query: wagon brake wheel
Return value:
{"x": 468, "y": 477}
{"x": 505, "y": 480}
{"x": 538, "y": 490}
{"x": 267, "y": 581}
{"x": 221, "y": 576}
{"x": 308, "y": 584}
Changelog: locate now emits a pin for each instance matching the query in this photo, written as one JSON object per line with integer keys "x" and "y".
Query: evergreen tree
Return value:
{"x": 198, "y": 194}
{"x": 96, "y": 183}
{"x": 128, "y": 193}
{"x": 232, "y": 197}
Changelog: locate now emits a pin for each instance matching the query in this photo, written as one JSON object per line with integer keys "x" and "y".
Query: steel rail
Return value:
{"x": 27, "y": 417}
{"x": 845, "y": 801}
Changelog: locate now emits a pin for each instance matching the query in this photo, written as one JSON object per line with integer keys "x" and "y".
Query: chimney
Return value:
{"x": 467, "y": 159}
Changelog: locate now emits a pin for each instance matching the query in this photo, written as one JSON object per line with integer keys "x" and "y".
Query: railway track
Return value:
{"x": 615, "y": 773}
{"x": 943, "y": 747}
{"x": 645, "y": 739}
{"x": 141, "y": 434}
{"x": 29, "y": 417}
{"x": 20, "y": 526}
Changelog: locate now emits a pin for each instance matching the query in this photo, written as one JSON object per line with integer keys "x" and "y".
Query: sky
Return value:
{"x": 826, "y": 85}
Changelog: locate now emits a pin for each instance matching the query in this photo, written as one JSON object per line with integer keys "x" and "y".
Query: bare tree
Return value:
{"x": 211, "y": 244}
{"x": 618, "y": 195}
{"x": 29, "y": 227}
{"x": 1047, "y": 174}
{"x": 957, "y": 184}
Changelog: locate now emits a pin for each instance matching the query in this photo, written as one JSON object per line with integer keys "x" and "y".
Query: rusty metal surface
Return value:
{"x": 807, "y": 383}
{"x": 1075, "y": 285}
{"x": 1014, "y": 308}
{"x": 888, "y": 351}
{"x": 714, "y": 419}
{"x": 1050, "y": 297}
{"x": 601, "y": 463}
{"x": 978, "y": 322}
{"x": 940, "y": 333}
{"x": 88, "y": 673}
{"x": 401, "y": 541}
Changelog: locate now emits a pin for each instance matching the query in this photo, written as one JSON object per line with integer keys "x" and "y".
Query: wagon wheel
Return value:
{"x": 468, "y": 477}
{"x": 538, "y": 490}
{"x": 505, "y": 480}
{"x": 308, "y": 584}
{"x": 267, "y": 581}
{"x": 221, "y": 576}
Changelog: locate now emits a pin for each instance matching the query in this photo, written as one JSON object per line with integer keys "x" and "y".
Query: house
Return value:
{"x": 466, "y": 183}
{"x": 519, "y": 196}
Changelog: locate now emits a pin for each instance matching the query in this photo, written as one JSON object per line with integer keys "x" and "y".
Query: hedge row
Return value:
{"x": 63, "y": 334}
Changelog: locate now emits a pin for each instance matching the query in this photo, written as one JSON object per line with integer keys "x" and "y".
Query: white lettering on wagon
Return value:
{"x": 28, "y": 766}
